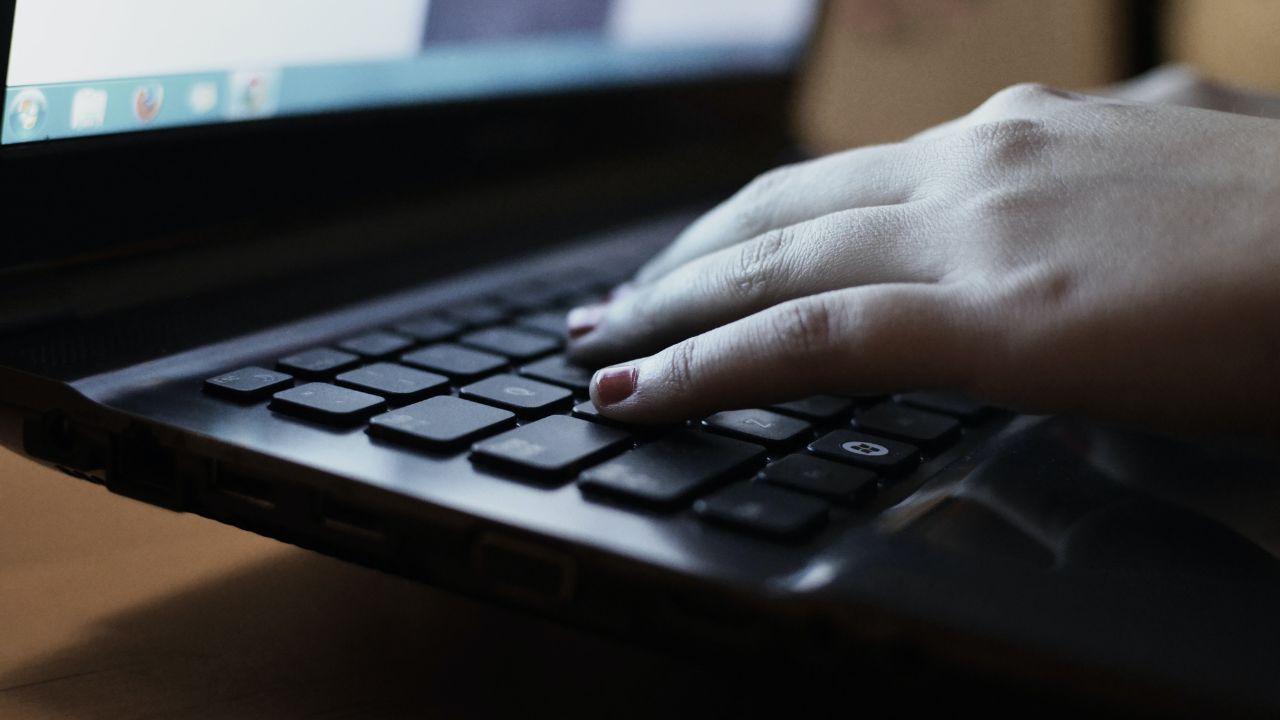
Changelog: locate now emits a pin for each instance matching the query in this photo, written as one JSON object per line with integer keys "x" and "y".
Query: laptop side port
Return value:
{"x": 54, "y": 437}
{"x": 525, "y": 572}
{"x": 244, "y": 488}
{"x": 352, "y": 521}
{"x": 143, "y": 469}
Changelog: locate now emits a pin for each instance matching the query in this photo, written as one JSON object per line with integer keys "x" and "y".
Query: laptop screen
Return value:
{"x": 94, "y": 67}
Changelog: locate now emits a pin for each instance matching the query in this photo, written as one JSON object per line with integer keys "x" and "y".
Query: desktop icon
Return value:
{"x": 202, "y": 98}
{"x": 147, "y": 101}
{"x": 253, "y": 94}
{"x": 28, "y": 114}
{"x": 88, "y": 109}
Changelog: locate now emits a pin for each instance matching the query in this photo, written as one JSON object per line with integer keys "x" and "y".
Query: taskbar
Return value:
{"x": 70, "y": 110}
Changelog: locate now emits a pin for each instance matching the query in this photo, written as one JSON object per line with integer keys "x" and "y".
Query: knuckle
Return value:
{"x": 1185, "y": 78}
{"x": 1010, "y": 142}
{"x": 805, "y": 328}
{"x": 681, "y": 367}
{"x": 1043, "y": 286}
{"x": 1025, "y": 95}
{"x": 758, "y": 265}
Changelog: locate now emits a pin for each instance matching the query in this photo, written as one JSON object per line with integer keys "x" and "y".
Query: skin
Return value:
{"x": 1050, "y": 252}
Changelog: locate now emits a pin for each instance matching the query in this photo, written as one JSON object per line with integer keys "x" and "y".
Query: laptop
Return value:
{"x": 303, "y": 268}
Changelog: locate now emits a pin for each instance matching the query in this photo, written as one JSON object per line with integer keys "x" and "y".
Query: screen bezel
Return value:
{"x": 80, "y": 199}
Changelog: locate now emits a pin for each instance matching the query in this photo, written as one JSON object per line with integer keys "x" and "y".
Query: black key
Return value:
{"x": 589, "y": 411}
{"x": 673, "y": 470}
{"x": 528, "y": 296}
{"x": 458, "y": 363}
{"x": 553, "y": 447}
{"x": 478, "y": 314}
{"x": 819, "y": 408}
{"x": 832, "y": 481}
{"x": 440, "y": 423}
{"x": 248, "y": 384}
{"x": 429, "y": 330}
{"x": 514, "y": 343}
{"x": 869, "y": 451}
{"x": 398, "y": 384}
{"x": 582, "y": 299}
{"x": 327, "y": 403}
{"x": 946, "y": 403}
{"x": 760, "y": 426}
{"x": 918, "y": 427}
{"x": 558, "y": 370}
{"x": 764, "y": 510}
{"x": 548, "y": 294}
{"x": 552, "y": 322}
{"x": 527, "y": 398}
{"x": 377, "y": 345}
{"x": 318, "y": 364}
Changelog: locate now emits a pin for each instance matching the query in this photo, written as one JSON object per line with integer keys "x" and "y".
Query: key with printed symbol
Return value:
{"x": 327, "y": 403}
{"x": 672, "y": 471}
{"x": 759, "y": 426}
{"x": 553, "y": 447}
{"x": 248, "y": 384}
{"x": 832, "y": 481}
{"x": 869, "y": 451}
{"x": 764, "y": 510}
{"x": 525, "y": 397}
{"x": 398, "y": 384}
{"x": 318, "y": 364}
{"x": 440, "y": 423}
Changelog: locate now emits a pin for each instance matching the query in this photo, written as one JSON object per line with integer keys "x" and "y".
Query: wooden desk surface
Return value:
{"x": 110, "y": 608}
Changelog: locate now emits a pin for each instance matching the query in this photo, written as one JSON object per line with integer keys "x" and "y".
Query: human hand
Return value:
{"x": 1049, "y": 252}
{"x": 1182, "y": 85}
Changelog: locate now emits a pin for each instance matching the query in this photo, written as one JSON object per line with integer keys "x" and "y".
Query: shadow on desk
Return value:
{"x": 306, "y": 636}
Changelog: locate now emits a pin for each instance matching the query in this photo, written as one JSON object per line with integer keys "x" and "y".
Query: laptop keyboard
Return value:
{"x": 490, "y": 379}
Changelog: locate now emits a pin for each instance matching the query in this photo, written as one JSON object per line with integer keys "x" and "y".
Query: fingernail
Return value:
{"x": 583, "y": 320}
{"x": 613, "y": 385}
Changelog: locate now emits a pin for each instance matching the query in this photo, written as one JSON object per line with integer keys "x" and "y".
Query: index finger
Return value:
{"x": 865, "y": 177}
